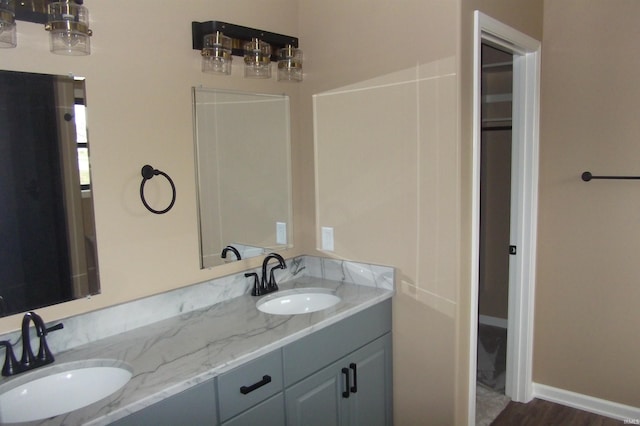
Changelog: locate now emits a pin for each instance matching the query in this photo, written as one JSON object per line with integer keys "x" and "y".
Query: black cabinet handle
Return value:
{"x": 246, "y": 389}
{"x": 354, "y": 367}
{"x": 345, "y": 393}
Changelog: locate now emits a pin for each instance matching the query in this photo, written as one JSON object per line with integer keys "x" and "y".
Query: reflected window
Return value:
{"x": 80, "y": 117}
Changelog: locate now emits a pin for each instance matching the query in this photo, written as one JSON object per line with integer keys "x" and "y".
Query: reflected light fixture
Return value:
{"x": 216, "y": 54}
{"x": 7, "y": 24}
{"x": 68, "y": 26}
{"x": 289, "y": 64}
{"x": 258, "y": 47}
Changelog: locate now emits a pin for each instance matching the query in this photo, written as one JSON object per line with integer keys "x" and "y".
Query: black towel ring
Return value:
{"x": 147, "y": 173}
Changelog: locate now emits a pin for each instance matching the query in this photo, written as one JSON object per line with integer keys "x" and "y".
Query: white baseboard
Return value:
{"x": 587, "y": 403}
{"x": 492, "y": 321}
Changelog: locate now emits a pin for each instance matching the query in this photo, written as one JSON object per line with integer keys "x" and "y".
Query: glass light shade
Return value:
{"x": 257, "y": 59}
{"x": 289, "y": 64}
{"x": 216, "y": 54}
{"x": 7, "y": 24}
{"x": 68, "y": 25}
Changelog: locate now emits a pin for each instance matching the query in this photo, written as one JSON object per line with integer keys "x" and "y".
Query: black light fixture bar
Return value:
{"x": 34, "y": 10}
{"x": 239, "y": 34}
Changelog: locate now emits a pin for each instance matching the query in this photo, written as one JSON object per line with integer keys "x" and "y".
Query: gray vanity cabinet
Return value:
{"x": 318, "y": 366}
{"x": 194, "y": 406}
{"x": 356, "y": 390}
{"x": 302, "y": 384}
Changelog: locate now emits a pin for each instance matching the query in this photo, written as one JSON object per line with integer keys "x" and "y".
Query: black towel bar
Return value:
{"x": 587, "y": 176}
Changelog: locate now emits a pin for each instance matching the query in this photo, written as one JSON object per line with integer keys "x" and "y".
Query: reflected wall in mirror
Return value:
{"x": 243, "y": 173}
{"x": 47, "y": 231}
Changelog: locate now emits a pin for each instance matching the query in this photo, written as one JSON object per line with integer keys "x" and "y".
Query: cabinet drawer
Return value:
{"x": 317, "y": 350}
{"x": 267, "y": 413}
{"x": 249, "y": 384}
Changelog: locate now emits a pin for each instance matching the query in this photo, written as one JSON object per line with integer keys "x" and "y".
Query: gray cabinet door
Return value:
{"x": 317, "y": 400}
{"x": 194, "y": 407}
{"x": 371, "y": 404}
{"x": 323, "y": 399}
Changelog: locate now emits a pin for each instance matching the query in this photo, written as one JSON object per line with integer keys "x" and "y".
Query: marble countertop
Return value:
{"x": 177, "y": 353}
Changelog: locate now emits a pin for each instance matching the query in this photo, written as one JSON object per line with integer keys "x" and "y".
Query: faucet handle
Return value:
{"x": 11, "y": 365}
{"x": 256, "y": 283}
{"x": 48, "y": 330}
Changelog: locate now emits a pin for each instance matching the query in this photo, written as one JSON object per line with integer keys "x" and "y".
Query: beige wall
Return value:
{"x": 384, "y": 77}
{"x": 139, "y": 79}
{"x": 587, "y": 291}
{"x": 495, "y": 182}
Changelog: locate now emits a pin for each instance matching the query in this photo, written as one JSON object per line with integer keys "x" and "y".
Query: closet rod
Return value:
{"x": 587, "y": 176}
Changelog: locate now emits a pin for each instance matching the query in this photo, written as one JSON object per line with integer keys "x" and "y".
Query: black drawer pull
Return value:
{"x": 345, "y": 393}
{"x": 246, "y": 389}
{"x": 354, "y": 367}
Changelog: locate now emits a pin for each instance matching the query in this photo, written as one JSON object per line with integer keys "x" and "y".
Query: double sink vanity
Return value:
{"x": 317, "y": 351}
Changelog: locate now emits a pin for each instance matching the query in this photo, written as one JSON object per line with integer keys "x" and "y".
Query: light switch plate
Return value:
{"x": 281, "y": 233}
{"x": 327, "y": 238}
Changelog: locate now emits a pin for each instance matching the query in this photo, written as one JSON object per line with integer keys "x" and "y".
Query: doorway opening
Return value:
{"x": 520, "y": 248}
{"x": 495, "y": 217}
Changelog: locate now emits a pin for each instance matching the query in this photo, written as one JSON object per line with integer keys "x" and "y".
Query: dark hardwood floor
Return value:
{"x": 539, "y": 412}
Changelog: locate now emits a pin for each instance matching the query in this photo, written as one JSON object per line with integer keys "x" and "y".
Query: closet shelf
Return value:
{"x": 497, "y": 120}
{"x": 499, "y": 66}
{"x": 497, "y": 98}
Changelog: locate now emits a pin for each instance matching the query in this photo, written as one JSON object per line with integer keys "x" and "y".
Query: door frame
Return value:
{"x": 525, "y": 144}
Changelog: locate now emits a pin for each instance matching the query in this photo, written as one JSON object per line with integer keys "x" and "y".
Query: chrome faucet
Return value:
{"x": 29, "y": 361}
{"x": 230, "y": 248}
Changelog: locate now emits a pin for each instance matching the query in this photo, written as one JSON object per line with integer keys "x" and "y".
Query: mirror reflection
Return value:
{"x": 47, "y": 231}
{"x": 243, "y": 174}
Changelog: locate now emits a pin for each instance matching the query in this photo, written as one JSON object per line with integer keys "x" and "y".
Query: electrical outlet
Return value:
{"x": 327, "y": 238}
{"x": 281, "y": 233}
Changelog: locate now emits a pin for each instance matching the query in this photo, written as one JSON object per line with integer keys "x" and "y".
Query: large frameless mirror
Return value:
{"x": 243, "y": 174}
{"x": 47, "y": 232}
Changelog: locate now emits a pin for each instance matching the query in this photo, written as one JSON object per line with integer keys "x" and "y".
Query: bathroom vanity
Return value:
{"x": 230, "y": 364}
{"x": 311, "y": 374}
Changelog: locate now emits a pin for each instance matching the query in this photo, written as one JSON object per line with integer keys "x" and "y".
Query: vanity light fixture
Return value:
{"x": 289, "y": 64}
{"x": 7, "y": 24}
{"x": 67, "y": 22}
{"x": 68, "y": 26}
{"x": 258, "y": 48}
{"x": 257, "y": 59}
{"x": 216, "y": 54}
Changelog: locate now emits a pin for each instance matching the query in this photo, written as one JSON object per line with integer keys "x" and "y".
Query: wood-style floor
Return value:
{"x": 544, "y": 413}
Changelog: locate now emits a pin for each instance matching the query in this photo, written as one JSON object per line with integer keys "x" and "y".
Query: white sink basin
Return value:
{"x": 61, "y": 388}
{"x": 298, "y": 301}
